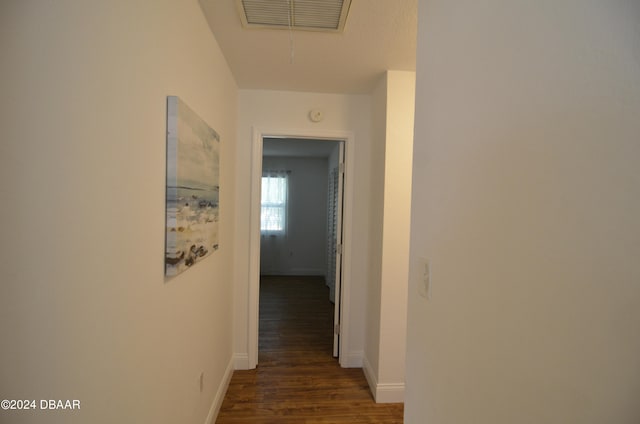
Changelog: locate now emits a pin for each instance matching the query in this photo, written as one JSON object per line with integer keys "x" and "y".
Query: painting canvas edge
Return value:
{"x": 191, "y": 188}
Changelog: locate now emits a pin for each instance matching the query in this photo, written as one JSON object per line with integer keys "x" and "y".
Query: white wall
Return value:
{"x": 390, "y": 205}
{"x": 303, "y": 250}
{"x": 526, "y": 201}
{"x": 395, "y": 237}
{"x": 341, "y": 113}
{"x": 374, "y": 247}
{"x": 85, "y": 312}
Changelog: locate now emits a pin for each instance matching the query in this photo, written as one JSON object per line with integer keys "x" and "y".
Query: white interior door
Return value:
{"x": 338, "y": 249}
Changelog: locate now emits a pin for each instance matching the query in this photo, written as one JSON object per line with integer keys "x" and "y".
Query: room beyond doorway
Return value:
{"x": 301, "y": 211}
{"x": 295, "y": 206}
{"x": 346, "y": 139}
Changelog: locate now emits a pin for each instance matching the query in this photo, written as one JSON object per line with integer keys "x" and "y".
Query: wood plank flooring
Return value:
{"x": 297, "y": 379}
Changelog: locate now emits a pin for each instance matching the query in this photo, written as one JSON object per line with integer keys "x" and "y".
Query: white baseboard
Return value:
{"x": 382, "y": 392}
{"x": 219, "y": 397}
{"x": 241, "y": 361}
{"x": 370, "y": 375}
{"x": 317, "y": 272}
{"x": 353, "y": 360}
{"x": 390, "y": 393}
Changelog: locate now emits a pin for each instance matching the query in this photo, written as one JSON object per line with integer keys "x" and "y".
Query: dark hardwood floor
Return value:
{"x": 297, "y": 379}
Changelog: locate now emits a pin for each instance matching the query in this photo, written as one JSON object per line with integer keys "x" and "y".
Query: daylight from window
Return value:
{"x": 274, "y": 203}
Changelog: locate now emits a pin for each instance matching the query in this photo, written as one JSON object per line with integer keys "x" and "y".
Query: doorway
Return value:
{"x": 301, "y": 215}
{"x": 342, "y": 268}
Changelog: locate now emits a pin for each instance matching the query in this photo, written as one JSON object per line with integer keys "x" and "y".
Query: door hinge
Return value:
{"x": 341, "y": 167}
{"x": 336, "y": 329}
{"x": 339, "y": 249}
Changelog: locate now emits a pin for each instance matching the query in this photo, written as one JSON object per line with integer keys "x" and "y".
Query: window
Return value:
{"x": 273, "y": 214}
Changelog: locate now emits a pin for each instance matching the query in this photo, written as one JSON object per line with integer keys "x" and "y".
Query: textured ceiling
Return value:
{"x": 379, "y": 35}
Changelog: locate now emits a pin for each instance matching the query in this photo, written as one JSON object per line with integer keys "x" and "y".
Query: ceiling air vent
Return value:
{"x": 310, "y": 15}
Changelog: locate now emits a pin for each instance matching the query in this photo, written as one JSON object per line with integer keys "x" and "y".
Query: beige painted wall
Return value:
{"x": 526, "y": 198}
{"x": 376, "y": 209}
{"x": 284, "y": 111}
{"x": 85, "y": 312}
{"x": 389, "y": 250}
{"x": 395, "y": 238}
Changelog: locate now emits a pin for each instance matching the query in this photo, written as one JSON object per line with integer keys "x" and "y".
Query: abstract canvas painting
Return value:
{"x": 193, "y": 188}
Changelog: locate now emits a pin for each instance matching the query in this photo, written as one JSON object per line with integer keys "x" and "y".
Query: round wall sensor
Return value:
{"x": 316, "y": 115}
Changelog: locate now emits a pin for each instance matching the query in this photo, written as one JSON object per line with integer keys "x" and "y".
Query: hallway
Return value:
{"x": 297, "y": 379}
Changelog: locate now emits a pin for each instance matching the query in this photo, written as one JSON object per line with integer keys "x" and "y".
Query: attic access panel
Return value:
{"x": 310, "y": 15}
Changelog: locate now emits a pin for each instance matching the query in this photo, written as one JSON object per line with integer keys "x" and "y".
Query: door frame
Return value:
{"x": 254, "y": 232}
